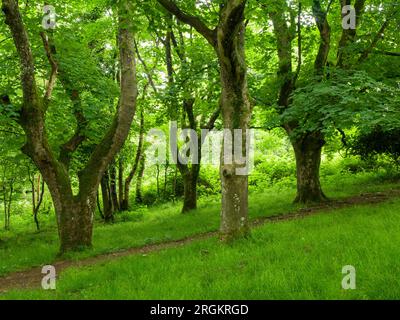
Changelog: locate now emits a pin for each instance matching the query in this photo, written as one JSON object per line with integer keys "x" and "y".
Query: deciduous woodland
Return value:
{"x": 130, "y": 124}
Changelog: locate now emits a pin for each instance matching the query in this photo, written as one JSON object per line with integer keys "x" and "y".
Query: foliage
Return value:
{"x": 378, "y": 141}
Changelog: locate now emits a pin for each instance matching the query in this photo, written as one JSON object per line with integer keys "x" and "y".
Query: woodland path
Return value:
{"x": 31, "y": 278}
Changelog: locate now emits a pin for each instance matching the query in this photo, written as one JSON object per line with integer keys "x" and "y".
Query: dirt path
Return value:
{"x": 32, "y": 278}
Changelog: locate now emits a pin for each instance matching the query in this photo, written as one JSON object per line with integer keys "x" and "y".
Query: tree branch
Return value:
{"x": 146, "y": 69}
{"x": 32, "y": 117}
{"x": 188, "y": 107}
{"x": 349, "y": 35}
{"x": 364, "y": 56}
{"x": 284, "y": 51}
{"x": 29, "y": 87}
{"x": 211, "y": 122}
{"x": 387, "y": 53}
{"x": 195, "y": 22}
{"x": 299, "y": 45}
{"x": 68, "y": 148}
{"x": 325, "y": 34}
{"x": 139, "y": 151}
{"x": 90, "y": 176}
{"x": 54, "y": 70}
{"x": 178, "y": 50}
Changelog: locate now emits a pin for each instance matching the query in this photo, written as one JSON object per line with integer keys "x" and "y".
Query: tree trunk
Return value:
{"x": 139, "y": 151}
{"x": 125, "y": 200}
{"x": 308, "y": 159}
{"x": 139, "y": 198}
{"x": 165, "y": 179}
{"x": 158, "y": 180}
{"x": 108, "y": 209}
{"x": 307, "y": 149}
{"x": 113, "y": 186}
{"x": 120, "y": 183}
{"x": 190, "y": 190}
{"x": 174, "y": 184}
{"x": 6, "y": 222}
{"x": 236, "y": 114}
{"x": 75, "y": 224}
{"x": 36, "y": 206}
{"x": 74, "y": 213}
{"x": 190, "y": 194}
{"x": 10, "y": 202}
{"x": 98, "y": 204}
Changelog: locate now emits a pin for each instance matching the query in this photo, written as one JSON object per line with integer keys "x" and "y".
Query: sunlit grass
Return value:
{"x": 22, "y": 250}
{"x": 298, "y": 259}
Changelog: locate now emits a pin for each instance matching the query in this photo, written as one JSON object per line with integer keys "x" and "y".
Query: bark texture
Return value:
{"x": 308, "y": 160}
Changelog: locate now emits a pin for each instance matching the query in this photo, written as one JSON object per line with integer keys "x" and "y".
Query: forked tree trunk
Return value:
{"x": 308, "y": 159}
{"x": 308, "y": 148}
{"x": 74, "y": 212}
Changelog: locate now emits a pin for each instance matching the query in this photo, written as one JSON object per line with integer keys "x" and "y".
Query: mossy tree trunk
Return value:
{"x": 74, "y": 212}
{"x": 227, "y": 39}
{"x": 308, "y": 160}
{"x": 236, "y": 114}
{"x": 307, "y": 146}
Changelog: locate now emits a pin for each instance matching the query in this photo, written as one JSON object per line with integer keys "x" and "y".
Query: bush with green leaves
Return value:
{"x": 376, "y": 142}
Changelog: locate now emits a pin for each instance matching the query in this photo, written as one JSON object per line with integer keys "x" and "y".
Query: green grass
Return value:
{"x": 298, "y": 259}
{"x": 23, "y": 249}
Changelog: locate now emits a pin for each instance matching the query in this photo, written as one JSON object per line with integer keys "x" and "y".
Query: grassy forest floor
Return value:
{"x": 295, "y": 258}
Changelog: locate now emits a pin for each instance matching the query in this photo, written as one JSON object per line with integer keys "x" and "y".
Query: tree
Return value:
{"x": 74, "y": 211}
{"x": 308, "y": 140}
{"x": 307, "y": 146}
{"x": 227, "y": 39}
{"x": 125, "y": 187}
{"x": 37, "y": 190}
{"x": 190, "y": 172}
{"x": 8, "y": 180}
{"x": 108, "y": 206}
